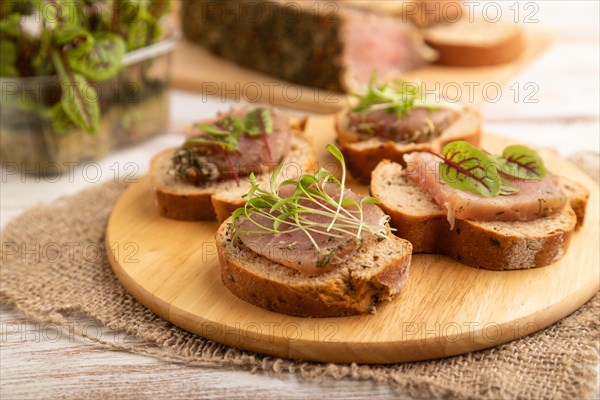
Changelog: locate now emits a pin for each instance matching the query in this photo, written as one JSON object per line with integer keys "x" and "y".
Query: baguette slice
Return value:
{"x": 178, "y": 199}
{"x": 477, "y": 43}
{"x": 483, "y": 244}
{"x": 362, "y": 156}
{"x": 375, "y": 274}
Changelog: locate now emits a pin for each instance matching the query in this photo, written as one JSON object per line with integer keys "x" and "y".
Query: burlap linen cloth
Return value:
{"x": 558, "y": 362}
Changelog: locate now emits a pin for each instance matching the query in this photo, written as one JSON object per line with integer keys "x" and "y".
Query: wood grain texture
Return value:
{"x": 446, "y": 309}
{"x": 196, "y": 69}
{"x": 39, "y": 361}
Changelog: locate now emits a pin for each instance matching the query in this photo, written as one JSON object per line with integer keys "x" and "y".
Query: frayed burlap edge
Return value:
{"x": 52, "y": 285}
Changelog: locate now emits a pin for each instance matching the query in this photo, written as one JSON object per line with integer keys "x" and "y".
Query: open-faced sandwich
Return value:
{"x": 489, "y": 211}
{"x": 205, "y": 178}
{"x": 311, "y": 247}
{"x": 394, "y": 119}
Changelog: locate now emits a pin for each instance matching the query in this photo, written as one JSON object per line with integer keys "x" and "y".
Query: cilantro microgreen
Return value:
{"x": 258, "y": 122}
{"x": 310, "y": 190}
{"x": 399, "y": 97}
{"x": 226, "y": 133}
{"x": 224, "y": 141}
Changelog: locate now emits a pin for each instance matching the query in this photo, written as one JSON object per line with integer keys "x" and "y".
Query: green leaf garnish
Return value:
{"x": 225, "y": 142}
{"x": 292, "y": 212}
{"x": 340, "y": 157}
{"x": 258, "y": 122}
{"x": 469, "y": 169}
{"x": 213, "y": 129}
{"x": 226, "y": 133}
{"x": 521, "y": 162}
{"x": 399, "y": 97}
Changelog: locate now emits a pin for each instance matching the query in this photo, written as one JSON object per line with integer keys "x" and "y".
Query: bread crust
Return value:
{"x": 175, "y": 205}
{"x": 205, "y": 203}
{"x": 578, "y": 196}
{"x": 478, "y": 244}
{"x": 459, "y": 54}
{"x": 362, "y": 159}
{"x": 305, "y": 298}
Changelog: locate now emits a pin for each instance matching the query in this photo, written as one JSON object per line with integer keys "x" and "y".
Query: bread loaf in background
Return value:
{"x": 475, "y": 42}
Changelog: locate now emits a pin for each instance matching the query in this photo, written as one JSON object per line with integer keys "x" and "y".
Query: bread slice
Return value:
{"x": 578, "y": 197}
{"x": 178, "y": 199}
{"x": 375, "y": 274}
{"x": 362, "y": 156}
{"x": 475, "y": 43}
{"x": 488, "y": 245}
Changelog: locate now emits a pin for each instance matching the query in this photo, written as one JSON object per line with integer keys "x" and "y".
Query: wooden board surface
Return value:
{"x": 196, "y": 69}
{"x": 446, "y": 308}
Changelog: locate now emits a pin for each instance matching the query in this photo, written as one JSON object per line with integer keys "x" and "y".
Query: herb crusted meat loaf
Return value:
{"x": 327, "y": 45}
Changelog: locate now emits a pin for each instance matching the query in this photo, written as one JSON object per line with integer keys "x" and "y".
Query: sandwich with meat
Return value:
{"x": 205, "y": 177}
{"x": 488, "y": 211}
{"x": 311, "y": 247}
{"x": 393, "y": 119}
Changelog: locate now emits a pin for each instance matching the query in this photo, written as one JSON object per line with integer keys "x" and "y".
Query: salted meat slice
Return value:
{"x": 535, "y": 199}
{"x": 420, "y": 125}
{"x": 295, "y": 249}
{"x": 375, "y": 42}
{"x": 201, "y": 163}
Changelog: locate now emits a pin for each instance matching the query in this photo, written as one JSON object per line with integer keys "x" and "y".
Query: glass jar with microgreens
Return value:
{"x": 79, "y": 78}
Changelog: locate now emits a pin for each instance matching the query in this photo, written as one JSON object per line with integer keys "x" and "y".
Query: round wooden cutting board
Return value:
{"x": 446, "y": 308}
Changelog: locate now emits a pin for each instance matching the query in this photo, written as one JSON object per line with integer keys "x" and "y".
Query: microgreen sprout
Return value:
{"x": 311, "y": 196}
{"x": 399, "y": 97}
{"x": 226, "y": 133}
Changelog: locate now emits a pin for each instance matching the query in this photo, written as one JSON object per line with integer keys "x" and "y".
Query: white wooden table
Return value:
{"x": 564, "y": 116}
